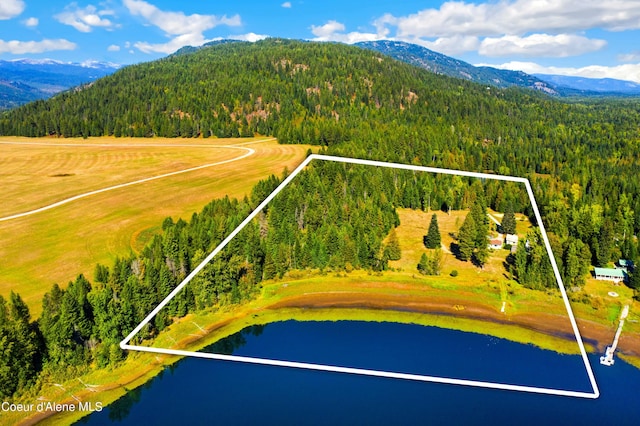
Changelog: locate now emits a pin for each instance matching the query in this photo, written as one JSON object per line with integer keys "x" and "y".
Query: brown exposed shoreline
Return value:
{"x": 593, "y": 334}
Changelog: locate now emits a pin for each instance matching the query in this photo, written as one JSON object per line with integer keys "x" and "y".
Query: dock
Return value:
{"x": 607, "y": 358}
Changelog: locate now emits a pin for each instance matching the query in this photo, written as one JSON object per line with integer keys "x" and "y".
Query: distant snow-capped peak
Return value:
{"x": 85, "y": 64}
{"x": 98, "y": 64}
{"x": 45, "y": 61}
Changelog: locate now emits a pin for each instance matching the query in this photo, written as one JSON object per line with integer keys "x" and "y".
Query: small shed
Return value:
{"x": 512, "y": 239}
{"x": 495, "y": 243}
{"x": 609, "y": 274}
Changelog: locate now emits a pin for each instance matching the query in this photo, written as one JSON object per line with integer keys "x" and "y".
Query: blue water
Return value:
{"x": 201, "y": 391}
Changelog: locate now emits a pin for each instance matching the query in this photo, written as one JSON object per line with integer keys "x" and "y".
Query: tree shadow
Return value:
{"x": 455, "y": 249}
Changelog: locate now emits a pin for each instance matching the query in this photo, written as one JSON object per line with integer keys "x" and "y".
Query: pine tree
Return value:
{"x": 101, "y": 273}
{"x": 432, "y": 239}
{"x": 269, "y": 270}
{"x": 466, "y": 238}
{"x": 392, "y": 249}
{"x": 481, "y": 256}
{"x": 509, "y": 221}
{"x": 436, "y": 261}
{"x": 423, "y": 265}
{"x": 605, "y": 244}
{"x": 481, "y": 222}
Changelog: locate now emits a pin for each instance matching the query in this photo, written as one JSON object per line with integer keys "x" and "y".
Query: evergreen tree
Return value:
{"x": 432, "y": 239}
{"x": 19, "y": 349}
{"x": 269, "y": 270}
{"x": 423, "y": 265}
{"x": 392, "y": 249}
{"x": 431, "y": 264}
{"x": 481, "y": 255}
{"x": 576, "y": 263}
{"x": 466, "y": 238}
{"x": 481, "y": 222}
{"x": 436, "y": 261}
{"x": 605, "y": 244}
{"x": 509, "y": 221}
{"x": 101, "y": 273}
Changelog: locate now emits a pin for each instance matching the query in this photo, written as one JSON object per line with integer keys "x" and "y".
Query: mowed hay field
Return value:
{"x": 56, "y": 245}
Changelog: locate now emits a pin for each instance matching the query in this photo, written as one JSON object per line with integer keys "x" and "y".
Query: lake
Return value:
{"x": 202, "y": 391}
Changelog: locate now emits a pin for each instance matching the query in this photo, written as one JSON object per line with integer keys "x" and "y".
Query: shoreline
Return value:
{"x": 443, "y": 312}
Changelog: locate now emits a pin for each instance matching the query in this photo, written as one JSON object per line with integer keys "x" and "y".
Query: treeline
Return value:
{"x": 333, "y": 215}
{"x": 582, "y": 160}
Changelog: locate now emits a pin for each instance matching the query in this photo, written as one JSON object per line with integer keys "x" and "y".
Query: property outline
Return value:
{"x": 124, "y": 344}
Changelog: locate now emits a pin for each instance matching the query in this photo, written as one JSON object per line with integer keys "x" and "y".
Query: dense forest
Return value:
{"x": 582, "y": 160}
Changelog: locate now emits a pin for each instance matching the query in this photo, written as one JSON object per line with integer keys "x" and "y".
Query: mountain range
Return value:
{"x": 593, "y": 85}
{"x": 556, "y": 85}
{"x": 25, "y": 80}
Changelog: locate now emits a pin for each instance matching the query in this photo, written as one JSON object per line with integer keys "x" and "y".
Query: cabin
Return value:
{"x": 512, "y": 240}
{"x": 625, "y": 265}
{"x": 495, "y": 243}
{"x": 609, "y": 274}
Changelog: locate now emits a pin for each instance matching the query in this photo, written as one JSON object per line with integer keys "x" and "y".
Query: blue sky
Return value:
{"x": 594, "y": 38}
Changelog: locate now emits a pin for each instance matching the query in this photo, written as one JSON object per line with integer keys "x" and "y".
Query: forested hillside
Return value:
{"x": 582, "y": 159}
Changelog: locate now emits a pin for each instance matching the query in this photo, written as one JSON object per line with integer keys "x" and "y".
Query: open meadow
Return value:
{"x": 55, "y": 245}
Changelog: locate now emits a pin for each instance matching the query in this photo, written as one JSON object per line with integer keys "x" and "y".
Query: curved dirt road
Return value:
{"x": 248, "y": 152}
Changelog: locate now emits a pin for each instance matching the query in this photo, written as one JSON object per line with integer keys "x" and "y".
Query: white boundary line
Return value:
{"x": 248, "y": 152}
{"x": 596, "y": 392}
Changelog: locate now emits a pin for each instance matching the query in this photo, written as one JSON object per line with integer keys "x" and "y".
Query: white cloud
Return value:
{"x": 286, "y": 5}
{"x": 31, "y": 22}
{"x": 327, "y": 30}
{"x": 252, "y": 37}
{"x": 185, "y": 29}
{"x": 334, "y": 31}
{"x": 113, "y": 48}
{"x": 172, "y": 45}
{"x": 558, "y": 46}
{"x": 630, "y": 72}
{"x": 500, "y": 28}
{"x": 84, "y": 20}
{"x": 17, "y": 47}
{"x": 11, "y": 8}
{"x": 551, "y": 28}
{"x": 516, "y": 18}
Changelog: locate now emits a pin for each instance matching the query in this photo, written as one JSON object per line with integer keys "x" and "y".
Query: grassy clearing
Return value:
{"x": 55, "y": 246}
{"x": 600, "y": 306}
{"x": 493, "y": 284}
{"x": 414, "y": 225}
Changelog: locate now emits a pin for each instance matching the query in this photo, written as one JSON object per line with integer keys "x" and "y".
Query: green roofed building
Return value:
{"x": 609, "y": 274}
